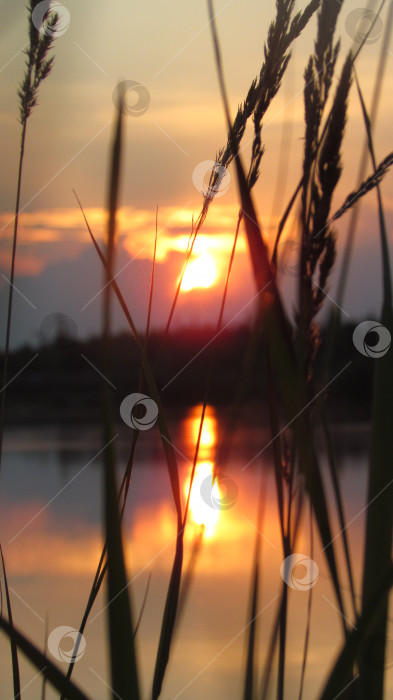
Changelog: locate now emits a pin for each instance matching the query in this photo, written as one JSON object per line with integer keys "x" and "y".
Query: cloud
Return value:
{"x": 40, "y": 229}
{"x": 58, "y": 270}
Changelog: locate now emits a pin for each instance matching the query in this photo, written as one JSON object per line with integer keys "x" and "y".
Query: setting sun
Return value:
{"x": 200, "y": 272}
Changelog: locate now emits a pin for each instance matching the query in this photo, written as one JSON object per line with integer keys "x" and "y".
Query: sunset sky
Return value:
{"x": 167, "y": 48}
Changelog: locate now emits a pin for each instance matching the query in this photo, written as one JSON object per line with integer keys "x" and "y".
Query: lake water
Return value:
{"x": 51, "y": 508}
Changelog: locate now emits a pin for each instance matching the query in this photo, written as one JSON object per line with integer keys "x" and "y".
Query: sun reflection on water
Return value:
{"x": 205, "y": 494}
{"x": 203, "y": 509}
{"x": 208, "y": 440}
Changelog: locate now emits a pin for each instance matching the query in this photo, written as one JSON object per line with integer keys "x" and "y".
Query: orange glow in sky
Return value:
{"x": 200, "y": 272}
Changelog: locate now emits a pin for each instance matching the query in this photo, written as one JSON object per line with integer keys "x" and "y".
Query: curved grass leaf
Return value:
{"x": 121, "y": 634}
{"x": 286, "y": 370}
{"x": 142, "y": 610}
{"x": 379, "y": 522}
{"x": 152, "y": 387}
{"x": 38, "y": 67}
{"x": 308, "y": 623}
{"x": 342, "y": 669}
{"x": 169, "y": 619}
{"x": 14, "y": 651}
{"x": 42, "y": 663}
{"x": 174, "y": 586}
{"x": 173, "y": 591}
{"x": 249, "y": 678}
{"x": 373, "y": 181}
{"x": 102, "y": 565}
{"x": 338, "y": 496}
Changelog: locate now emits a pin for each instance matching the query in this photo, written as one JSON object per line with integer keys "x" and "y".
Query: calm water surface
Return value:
{"x": 51, "y": 506}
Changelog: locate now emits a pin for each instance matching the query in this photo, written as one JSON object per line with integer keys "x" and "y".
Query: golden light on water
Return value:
{"x": 204, "y": 495}
{"x": 208, "y": 440}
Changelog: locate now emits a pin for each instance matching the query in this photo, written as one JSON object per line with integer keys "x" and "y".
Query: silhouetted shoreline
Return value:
{"x": 62, "y": 382}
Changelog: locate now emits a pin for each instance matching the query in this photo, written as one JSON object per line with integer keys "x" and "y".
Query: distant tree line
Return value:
{"x": 63, "y": 382}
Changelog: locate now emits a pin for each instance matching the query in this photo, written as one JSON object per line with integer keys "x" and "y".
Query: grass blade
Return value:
{"x": 334, "y": 320}
{"x": 169, "y": 619}
{"x": 121, "y": 635}
{"x": 308, "y": 623}
{"x": 139, "y": 620}
{"x": 42, "y": 663}
{"x": 174, "y": 585}
{"x": 387, "y": 284}
{"x": 171, "y": 609}
{"x": 151, "y": 283}
{"x": 38, "y": 67}
{"x": 44, "y": 684}
{"x": 249, "y": 680}
{"x": 379, "y": 523}
{"x": 278, "y": 462}
{"x": 152, "y": 387}
{"x": 338, "y": 677}
{"x": 283, "y": 221}
{"x": 174, "y": 605}
{"x": 366, "y": 186}
{"x": 287, "y": 373}
{"x": 251, "y": 650}
{"x": 189, "y": 573}
{"x": 339, "y": 501}
{"x": 102, "y": 565}
{"x": 14, "y": 651}
{"x": 270, "y": 654}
